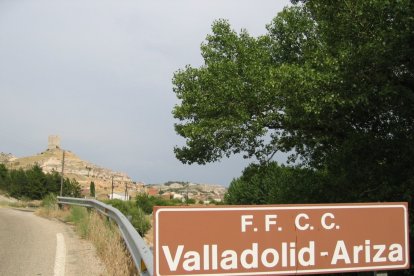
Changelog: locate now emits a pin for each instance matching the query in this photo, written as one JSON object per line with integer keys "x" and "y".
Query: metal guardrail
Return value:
{"x": 140, "y": 252}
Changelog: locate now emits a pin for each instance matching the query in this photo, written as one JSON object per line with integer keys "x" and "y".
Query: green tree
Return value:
{"x": 71, "y": 188}
{"x": 92, "y": 189}
{"x": 18, "y": 183}
{"x": 221, "y": 101}
{"x": 298, "y": 89}
{"x": 274, "y": 184}
{"x": 52, "y": 184}
{"x": 330, "y": 82}
{"x": 144, "y": 202}
{"x": 4, "y": 174}
{"x": 36, "y": 183}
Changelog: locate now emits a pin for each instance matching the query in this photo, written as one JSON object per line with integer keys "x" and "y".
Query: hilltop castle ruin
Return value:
{"x": 53, "y": 142}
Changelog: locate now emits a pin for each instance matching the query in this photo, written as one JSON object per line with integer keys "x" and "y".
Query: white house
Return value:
{"x": 118, "y": 196}
{"x": 177, "y": 196}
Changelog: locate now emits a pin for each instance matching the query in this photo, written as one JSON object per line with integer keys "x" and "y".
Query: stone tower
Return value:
{"x": 53, "y": 142}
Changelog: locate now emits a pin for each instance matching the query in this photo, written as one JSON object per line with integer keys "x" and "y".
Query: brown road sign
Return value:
{"x": 280, "y": 239}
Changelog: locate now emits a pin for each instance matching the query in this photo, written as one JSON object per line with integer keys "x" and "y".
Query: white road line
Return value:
{"x": 60, "y": 255}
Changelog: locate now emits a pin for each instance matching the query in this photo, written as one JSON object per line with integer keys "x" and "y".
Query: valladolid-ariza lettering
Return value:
{"x": 212, "y": 257}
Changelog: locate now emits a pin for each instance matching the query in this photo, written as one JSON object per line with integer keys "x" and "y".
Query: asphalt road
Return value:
{"x": 31, "y": 245}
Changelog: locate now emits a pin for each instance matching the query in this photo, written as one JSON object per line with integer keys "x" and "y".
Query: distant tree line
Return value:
{"x": 35, "y": 184}
{"x": 176, "y": 182}
{"x": 147, "y": 203}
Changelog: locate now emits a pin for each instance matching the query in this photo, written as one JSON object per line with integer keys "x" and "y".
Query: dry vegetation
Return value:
{"x": 103, "y": 233}
{"x": 110, "y": 246}
{"x": 16, "y": 203}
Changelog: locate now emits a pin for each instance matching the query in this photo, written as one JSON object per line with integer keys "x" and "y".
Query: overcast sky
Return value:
{"x": 98, "y": 74}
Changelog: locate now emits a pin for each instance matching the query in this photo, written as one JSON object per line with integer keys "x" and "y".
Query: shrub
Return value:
{"x": 140, "y": 221}
{"x": 50, "y": 201}
{"x": 134, "y": 213}
{"x": 147, "y": 203}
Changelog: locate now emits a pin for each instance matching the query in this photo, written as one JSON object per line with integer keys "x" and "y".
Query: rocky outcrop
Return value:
{"x": 6, "y": 157}
{"x": 76, "y": 166}
{"x": 199, "y": 192}
{"x": 83, "y": 171}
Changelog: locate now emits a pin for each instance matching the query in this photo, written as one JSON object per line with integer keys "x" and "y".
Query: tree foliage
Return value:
{"x": 35, "y": 184}
{"x": 324, "y": 74}
{"x": 134, "y": 213}
{"x": 274, "y": 184}
{"x": 147, "y": 203}
{"x": 92, "y": 189}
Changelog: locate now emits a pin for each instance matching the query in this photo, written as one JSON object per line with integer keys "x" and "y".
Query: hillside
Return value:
{"x": 199, "y": 192}
{"x": 50, "y": 160}
{"x": 6, "y": 157}
{"x": 75, "y": 168}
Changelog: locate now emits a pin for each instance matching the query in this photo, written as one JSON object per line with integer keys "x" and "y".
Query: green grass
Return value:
{"x": 50, "y": 201}
{"x": 80, "y": 217}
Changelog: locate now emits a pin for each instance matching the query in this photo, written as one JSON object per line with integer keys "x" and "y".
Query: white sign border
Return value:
{"x": 273, "y": 208}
